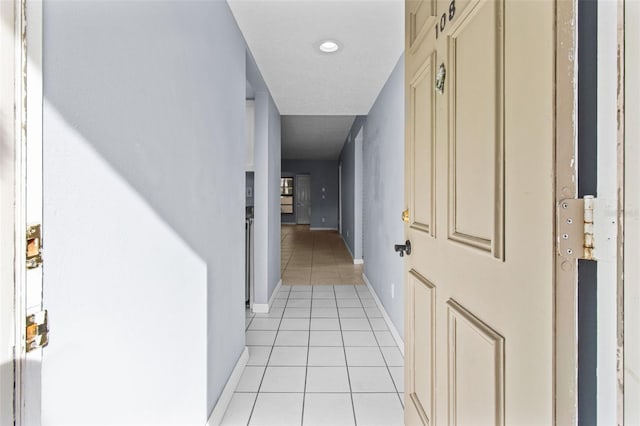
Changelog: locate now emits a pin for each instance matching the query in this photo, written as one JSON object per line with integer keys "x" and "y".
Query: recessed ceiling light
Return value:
{"x": 329, "y": 46}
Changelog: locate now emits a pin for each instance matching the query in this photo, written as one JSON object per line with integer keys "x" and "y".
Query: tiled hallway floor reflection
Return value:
{"x": 322, "y": 356}
{"x": 316, "y": 257}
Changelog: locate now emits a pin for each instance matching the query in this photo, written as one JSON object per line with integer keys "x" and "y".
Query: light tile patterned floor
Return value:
{"x": 316, "y": 257}
{"x": 322, "y": 356}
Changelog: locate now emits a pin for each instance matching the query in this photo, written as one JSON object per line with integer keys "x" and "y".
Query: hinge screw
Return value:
{"x": 569, "y": 221}
{"x": 565, "y": 236}
{"x": 565, "y": 205}
{"x": 569, "y": 252}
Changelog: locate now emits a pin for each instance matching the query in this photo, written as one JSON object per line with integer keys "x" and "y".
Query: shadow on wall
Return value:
{"x": 6, "y": 370}
{"x": 143, "y": 187}
{"x": 137, "y": 98}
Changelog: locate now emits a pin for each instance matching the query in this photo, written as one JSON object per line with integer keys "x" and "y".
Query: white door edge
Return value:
{"x": 29, "y": 203}
{"x": 630, "y": 320}
{"x": 606, "y": 213}
{"x": 11, "y": 96}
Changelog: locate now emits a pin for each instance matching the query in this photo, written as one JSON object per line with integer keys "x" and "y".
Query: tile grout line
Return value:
{"x": 251, "y": 318}
{"x": 313, "y": 252}
{"x": 346, "y": 362}
{"x": 267, "y": 364}
{"x": 381, "y": 353}
{"x": 306, "y": 368}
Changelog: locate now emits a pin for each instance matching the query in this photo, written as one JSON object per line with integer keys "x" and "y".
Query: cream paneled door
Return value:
{"x": 480, "y": 182}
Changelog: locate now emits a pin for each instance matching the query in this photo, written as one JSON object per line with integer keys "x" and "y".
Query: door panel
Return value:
{"x": 421, "y": 322}
{"x": 480, "y": 165}
{"x": 420, "y": 16}
{"x": 476, "y": 370}
{"x": 475, "y": 134}
{"x": 423, "y": 143}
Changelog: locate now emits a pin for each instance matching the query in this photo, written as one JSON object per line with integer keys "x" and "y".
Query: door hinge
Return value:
{"x": 37, "y": 332}
{"x": 34, "y": 246}
{"x": 575, "y": 228}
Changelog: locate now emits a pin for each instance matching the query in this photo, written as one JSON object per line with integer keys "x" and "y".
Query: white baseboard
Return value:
{"x": 355, "y": 261}
{"x": 227, "y": 393}
{"x": 260, "y": 308}
{"x": 385, "y": 315}
{"x": 323, "y": 229}
{"x": 264, "y": 308}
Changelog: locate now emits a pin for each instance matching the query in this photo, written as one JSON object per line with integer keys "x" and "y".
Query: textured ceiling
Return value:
{"x": 283, "y": 36}
{"x": 314, "y": 137}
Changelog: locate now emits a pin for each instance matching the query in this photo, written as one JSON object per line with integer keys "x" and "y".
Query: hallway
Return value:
{"x": 316, "y": 257}
{"x": 324, "y": 354}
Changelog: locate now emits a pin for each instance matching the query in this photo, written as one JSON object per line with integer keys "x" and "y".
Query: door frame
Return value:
{"x": 13, "y": 66}
{"x": 12, "y": 93}
{"x": 609, "y": 231}
{"x": 21, "y": 82}
{"x": 629, "y": 246}
{"x": 610, "y": 227}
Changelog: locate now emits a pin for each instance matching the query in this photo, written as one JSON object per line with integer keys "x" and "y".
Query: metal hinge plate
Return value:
{"x": 34, "y": 246}
{"x": 37, "y": 331}
{"x": 575, "y": 228}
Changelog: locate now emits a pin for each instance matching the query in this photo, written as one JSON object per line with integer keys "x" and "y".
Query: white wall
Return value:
{"x": 144, "y": 180}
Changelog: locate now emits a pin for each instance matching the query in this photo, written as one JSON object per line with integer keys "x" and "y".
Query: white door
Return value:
{"x": 480, "y": 193}
{"x": 303, "y": 199}
{"x": 631, "y": 320}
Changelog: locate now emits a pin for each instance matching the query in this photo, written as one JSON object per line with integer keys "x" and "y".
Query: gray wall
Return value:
{"x": 348, "y": 161}
{"x": 274, "y": 196}
{"x": 351, "y": 158}
{"x": 384, "y": 194}
{"x": 266, "y": 188}
{"x": 143, "y": 221}
{"x": 324, "y": 174}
